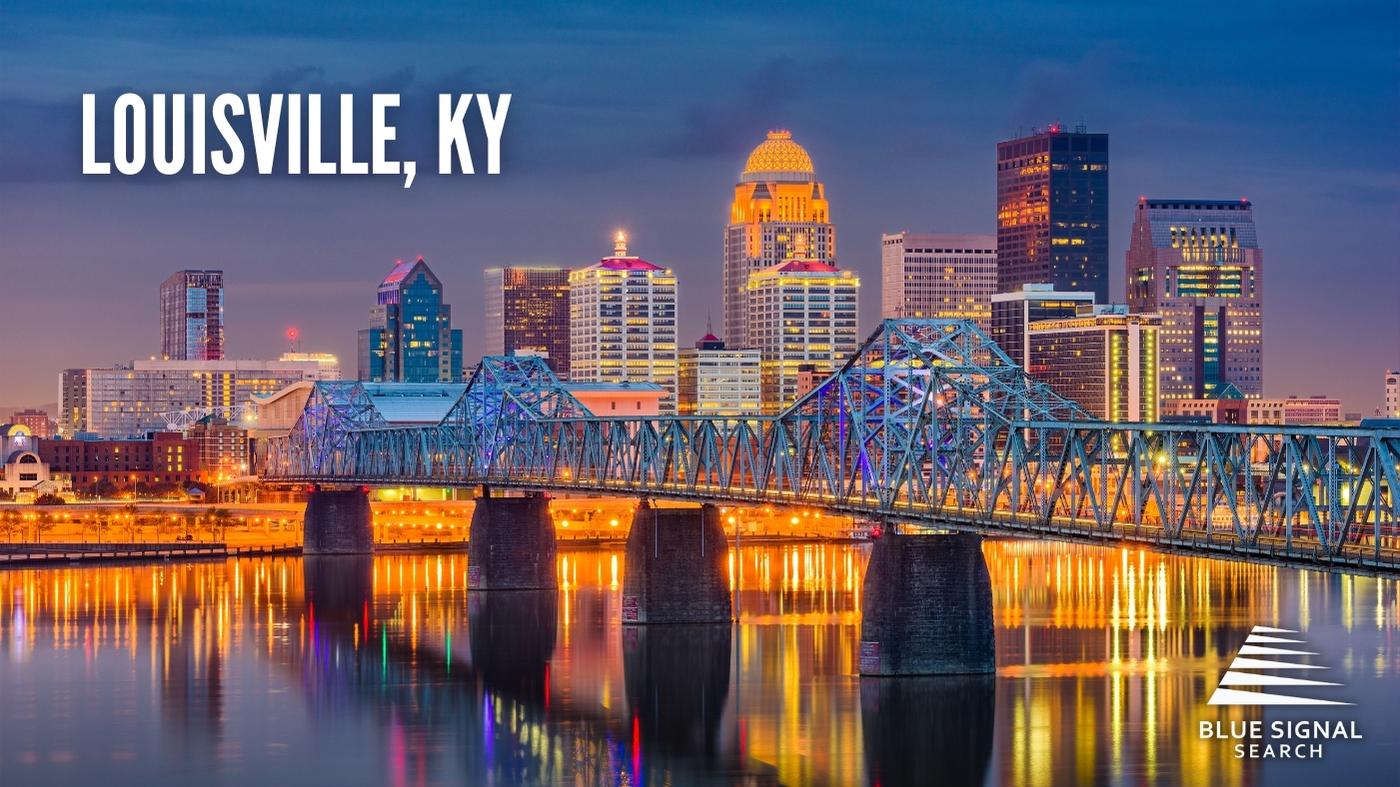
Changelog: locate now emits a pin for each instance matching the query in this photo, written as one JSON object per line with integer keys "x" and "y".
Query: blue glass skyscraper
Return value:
{"x": 410, "y": 338}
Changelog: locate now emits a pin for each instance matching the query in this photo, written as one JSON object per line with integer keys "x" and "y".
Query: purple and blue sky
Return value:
{"x": 631, "y": 116}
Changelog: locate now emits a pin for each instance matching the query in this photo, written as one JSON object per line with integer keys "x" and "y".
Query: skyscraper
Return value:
{"x": 1052, "y": 212}
{"x": 192, "y": 316}
{"x": 1105, "y": 359}
{"x": 527, "y": 309}
{"x": 622, "y": 323}
{"x": 1392, "y": 394}
{"x": 940, "y": 276}
{"x": 801, "y": 313}
{"x": 1197, "y": 263}
{"x": 777, "y": 199}
{"x": 410, "y": 338}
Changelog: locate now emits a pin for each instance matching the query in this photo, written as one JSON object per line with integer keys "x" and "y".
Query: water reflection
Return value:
{"x": 387, "y": 670}
{"x": 915, "y": 727}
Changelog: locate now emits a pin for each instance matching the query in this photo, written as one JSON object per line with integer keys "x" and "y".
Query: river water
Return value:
{"x": 284, "y": 671}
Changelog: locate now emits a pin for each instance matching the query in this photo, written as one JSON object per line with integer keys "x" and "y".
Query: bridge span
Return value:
{"x": 929, "y": 426}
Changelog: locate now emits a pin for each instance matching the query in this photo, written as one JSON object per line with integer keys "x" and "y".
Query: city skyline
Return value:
{"x": 1310, "y": 167}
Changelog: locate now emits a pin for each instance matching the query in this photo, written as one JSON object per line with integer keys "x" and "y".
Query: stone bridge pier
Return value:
{"x": 337, "y": 522}
{"x": 926, "y": 607}
{"x": 511, "y": 544}
{"x": 677, "y": 567}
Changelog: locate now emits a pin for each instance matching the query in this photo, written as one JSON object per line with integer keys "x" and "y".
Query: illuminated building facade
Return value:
{"x": 715, "y": 380}
{"x": 527, "y": 310}
{"x": 801, "y": 313}
{"x": 940, "y": 276}
{"x": 1052, "y": 212}
{"x": 327, "y": 365}
{"x": 621, "y": 399}
{"x": 192, "y": 316}
{"x": 779, "y": 213}
{"x": 164, "y": 458}
{"x": 223, "y": 449}
{"x": 1013, "y": 312}
{"x": 1105, "y": 360}
{"x": 131, "y": 400}
{"x": 36, "y": 421}
{"x": 72, "y": 401}
{"x": 1392, "y": 394}
{"x": 410, "y": 338}
{"x": 1197, "y": 263}
{"x": 622, "y": 323}
{"x": 1296, "y": 411}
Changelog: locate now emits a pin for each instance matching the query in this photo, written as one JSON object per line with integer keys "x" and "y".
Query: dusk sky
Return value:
{"x": 640, "y": 118}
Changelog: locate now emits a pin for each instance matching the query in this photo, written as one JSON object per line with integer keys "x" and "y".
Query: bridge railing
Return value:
{"x": 1330, "y": 492}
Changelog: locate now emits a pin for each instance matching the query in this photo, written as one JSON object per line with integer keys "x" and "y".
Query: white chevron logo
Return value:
{"x": 1273, "y": 643}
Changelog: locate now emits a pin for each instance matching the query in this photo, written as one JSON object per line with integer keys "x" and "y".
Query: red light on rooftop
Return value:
{"x": 293, "y": 333}
{"x": 1054, "y": 128}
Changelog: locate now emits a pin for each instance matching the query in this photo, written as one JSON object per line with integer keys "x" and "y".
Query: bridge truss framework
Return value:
{"x": 929, "y": 423}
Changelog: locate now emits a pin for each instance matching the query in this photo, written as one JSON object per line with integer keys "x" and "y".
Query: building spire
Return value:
{"x": 620, "y": 244}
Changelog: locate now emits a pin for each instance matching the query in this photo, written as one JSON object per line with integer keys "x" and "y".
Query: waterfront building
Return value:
{"x": 1197, "y": 263}
{"x": 1104, "y": 359}
{"x": 327, "y": 364}
{"x": 1052, "y": 211}
{"x": 132, "y": 399}
{"x": 778, "y": 204}
{"x": 23, "y": 472}
{"x": 622, "y": 322}
{"x": 223, "y": 448}
{"x": 939, "y": 276}
{"x": 192, "y": 316}
{"x": 410, "y": 338}
{"x": 1013, "y": 312}
{"x": 527, "y": 311}
{"x": 802, "y": 312}
{"x": 715, "y": 380}
{"x": 159, "y": 462}
{"x": 1392, "y": 394}
{"x": 36, "y": 421}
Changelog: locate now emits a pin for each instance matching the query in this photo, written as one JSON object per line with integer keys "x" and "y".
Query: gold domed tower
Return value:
{"x": 779, "y": 213}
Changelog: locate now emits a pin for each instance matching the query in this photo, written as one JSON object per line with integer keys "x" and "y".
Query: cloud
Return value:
{"x": 727, "y": 126}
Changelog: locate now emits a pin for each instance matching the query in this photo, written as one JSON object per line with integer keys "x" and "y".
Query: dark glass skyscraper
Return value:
{"x": 192, "y": 316}
{"x": 410, "y": 338}
{"x": 527, "y": 310}
{"x": 1052, "y": 212}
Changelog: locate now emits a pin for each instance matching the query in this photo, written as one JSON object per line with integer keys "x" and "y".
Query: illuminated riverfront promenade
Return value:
{"x": 1103, "y": 659}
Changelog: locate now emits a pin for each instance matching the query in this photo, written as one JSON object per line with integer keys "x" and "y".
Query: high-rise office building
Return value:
{"x": 1197, "y": 263}
{"x": 1013, "y": 312}
{"x": 777, "y": 200}
{"x": 192, "y": 316}
{"x": 940, "y": 276}
{"x": 527, "y": 310}
{"x": 1052, "y": 212}
{"x": 622, "y": 323}
{"x": 1392, "y": 394}
{"x": 715, "y": 380}
{"x": 1104, "y": 359}
{"x": 410, "y": 338}
{"x": 801, "y": 313}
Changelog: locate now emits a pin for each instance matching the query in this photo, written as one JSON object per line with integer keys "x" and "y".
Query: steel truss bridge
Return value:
{"x": 928, "y": 424}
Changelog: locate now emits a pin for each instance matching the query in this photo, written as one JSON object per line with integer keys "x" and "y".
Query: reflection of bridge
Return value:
{"x": 929, "y": 423}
